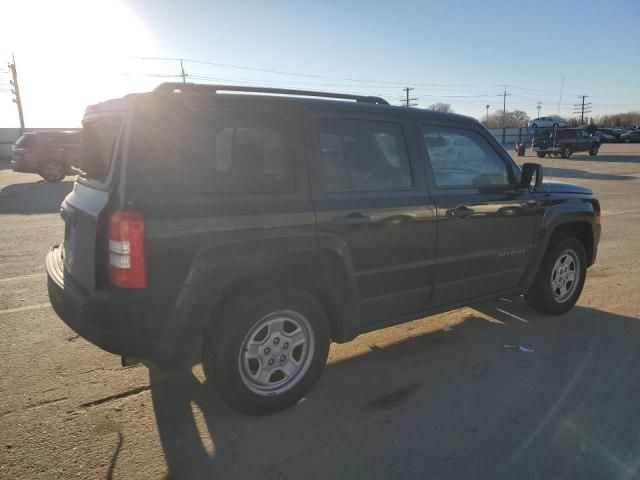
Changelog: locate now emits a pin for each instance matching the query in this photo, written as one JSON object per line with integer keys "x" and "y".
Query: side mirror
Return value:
{"x": 529, "y": 170}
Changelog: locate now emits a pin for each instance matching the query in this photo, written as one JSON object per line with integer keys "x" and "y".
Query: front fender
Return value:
{"x": 554, "y": 216}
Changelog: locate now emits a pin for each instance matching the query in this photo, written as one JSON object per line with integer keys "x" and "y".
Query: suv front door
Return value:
{"x": 374, "y": 212}
{"x": 485, "y": 225}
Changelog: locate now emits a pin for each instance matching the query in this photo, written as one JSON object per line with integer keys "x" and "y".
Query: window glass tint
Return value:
{"x": 461, "y": 158}
{"x": 98, "y": 141}
{"x": 362, "y": 155}
{"x": 236, "y": 152}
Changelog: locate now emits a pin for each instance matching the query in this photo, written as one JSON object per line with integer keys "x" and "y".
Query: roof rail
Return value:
{"x": 206, "y": 88}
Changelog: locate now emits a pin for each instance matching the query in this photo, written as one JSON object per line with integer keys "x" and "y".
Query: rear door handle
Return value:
{"x": 461, "y": 211}
{"x": 355, "y": 218}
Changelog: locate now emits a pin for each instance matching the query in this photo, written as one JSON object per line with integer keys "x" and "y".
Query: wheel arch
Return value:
{"x": 323, "y": 273}
{"x": 572, "y": 219}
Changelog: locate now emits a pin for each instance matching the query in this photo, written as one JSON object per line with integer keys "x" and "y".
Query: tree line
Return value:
{"x": 519, "y": 118}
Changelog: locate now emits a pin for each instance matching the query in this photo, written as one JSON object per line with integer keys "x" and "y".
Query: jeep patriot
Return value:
{"x": 247, "y": 228}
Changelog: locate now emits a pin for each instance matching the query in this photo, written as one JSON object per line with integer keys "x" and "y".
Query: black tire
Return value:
{"x": 593, "y": 151}
{"x": 223, "y": 347}
{"x": 52, "y": 171}
{"x": 555, "y": 125}
{"x": 534, "y": 125}
{"x": 540, "y": 154}
{"x": 541, "y": 296}
{"x": 566, "y": 152}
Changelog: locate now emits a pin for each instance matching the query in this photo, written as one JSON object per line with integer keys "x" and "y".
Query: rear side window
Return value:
{"x": 236, "y": 152}
{"x": 99, "y": 138}
{"x": 463, "y": 159}
{"x": 362, "y": 155}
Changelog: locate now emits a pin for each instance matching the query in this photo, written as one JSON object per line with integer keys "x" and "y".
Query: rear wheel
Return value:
{"x": 566, "y": 152}
{"x": 534, "y": 125}
{"x": 540, "y": 154}
{"x": 593, "y": 151}
{"x": 52, "y": 171}
{"x": 555, "y": 125}
{"x": 268, "y": 351}
{"x": 561, "y": 277}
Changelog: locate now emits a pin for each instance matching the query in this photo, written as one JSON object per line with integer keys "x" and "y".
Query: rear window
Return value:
{"x": 210, "y": 151}
{"x": 362, "y": 155}
{"x": 98, "y": 142}
{"x": 236, "y": 152}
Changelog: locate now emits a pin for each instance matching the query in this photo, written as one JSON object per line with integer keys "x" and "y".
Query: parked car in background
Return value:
{"x": 247, "y": 230}
{"x": 49, "y": 154}
{"x": 564, "y": 142}
{"x": 632, "y": 136}
{"x": 604, "y": 137}
{"x": 548, "y": 122}
{"x": 611, "y": 132}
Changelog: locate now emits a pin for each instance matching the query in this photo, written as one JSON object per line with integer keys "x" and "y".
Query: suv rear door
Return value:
{"x": 373, "y": 208}
{"x": 83, "y": 209}
{"x": 485, "y": 226}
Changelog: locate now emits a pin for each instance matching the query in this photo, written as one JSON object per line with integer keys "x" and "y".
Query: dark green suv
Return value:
{"x": 247, "y": 228}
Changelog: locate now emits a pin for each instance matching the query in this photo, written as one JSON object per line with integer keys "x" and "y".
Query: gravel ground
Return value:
{"x": 412, "y": 401}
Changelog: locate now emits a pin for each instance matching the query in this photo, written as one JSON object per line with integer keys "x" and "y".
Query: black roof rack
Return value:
{"x": 205, "y": 88}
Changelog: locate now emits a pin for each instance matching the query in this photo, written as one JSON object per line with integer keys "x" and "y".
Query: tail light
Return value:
{"x": 126, "y": 250}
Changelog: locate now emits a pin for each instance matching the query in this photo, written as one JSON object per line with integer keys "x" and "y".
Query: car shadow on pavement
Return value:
{"x": 620, "y": 158}
{"x": 551, "y": 172}
{"x": 461, "y": 403}
{"x": 32, "y": 198}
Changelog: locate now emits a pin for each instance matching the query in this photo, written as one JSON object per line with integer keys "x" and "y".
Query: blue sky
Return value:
{"x": 460, "y": 52}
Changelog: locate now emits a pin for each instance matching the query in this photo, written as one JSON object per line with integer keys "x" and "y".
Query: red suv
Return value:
{"x": 49, "y": 154}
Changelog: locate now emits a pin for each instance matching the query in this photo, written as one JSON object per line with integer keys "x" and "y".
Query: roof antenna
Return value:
{"x": 555, "y": 133}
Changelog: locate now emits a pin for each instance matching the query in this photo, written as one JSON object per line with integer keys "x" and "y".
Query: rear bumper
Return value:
{"x": 134, "y": 323}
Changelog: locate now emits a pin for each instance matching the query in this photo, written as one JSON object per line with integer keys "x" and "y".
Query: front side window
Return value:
{"x": 463, "y": 159}
{"x": 362, "y": 155}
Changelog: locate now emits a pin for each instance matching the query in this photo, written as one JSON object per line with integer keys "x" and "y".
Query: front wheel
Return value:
{"x": 268, "y": 351}
{"x": 560, "y": 278}
{"x": 535, "y": 125}
{"x": 540, "y": 154}
{"x": 566, "y": 152}
{"x": 593, "y": 151}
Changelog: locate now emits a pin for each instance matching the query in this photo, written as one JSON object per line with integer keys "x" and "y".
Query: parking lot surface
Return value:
{"x": 439, "y": 397}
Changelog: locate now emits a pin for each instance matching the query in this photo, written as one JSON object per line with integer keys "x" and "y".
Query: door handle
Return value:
{"x": 461, "y": 211}
{"x": 355, "y": 218}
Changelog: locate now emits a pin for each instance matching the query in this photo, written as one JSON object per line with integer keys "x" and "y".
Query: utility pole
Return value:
{"x": 487, "y": 107}
{"x": 183, "y": 75}
{"x": 504, "y": 115}
{"x": 409, "y": 102}
{"x": 582, "y": 108}
{"x": 16, "y": 90}
{"x": 539, "y": 106}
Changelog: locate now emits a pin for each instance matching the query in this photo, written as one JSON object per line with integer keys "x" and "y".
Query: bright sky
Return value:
{"x": 71, "y": 53}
